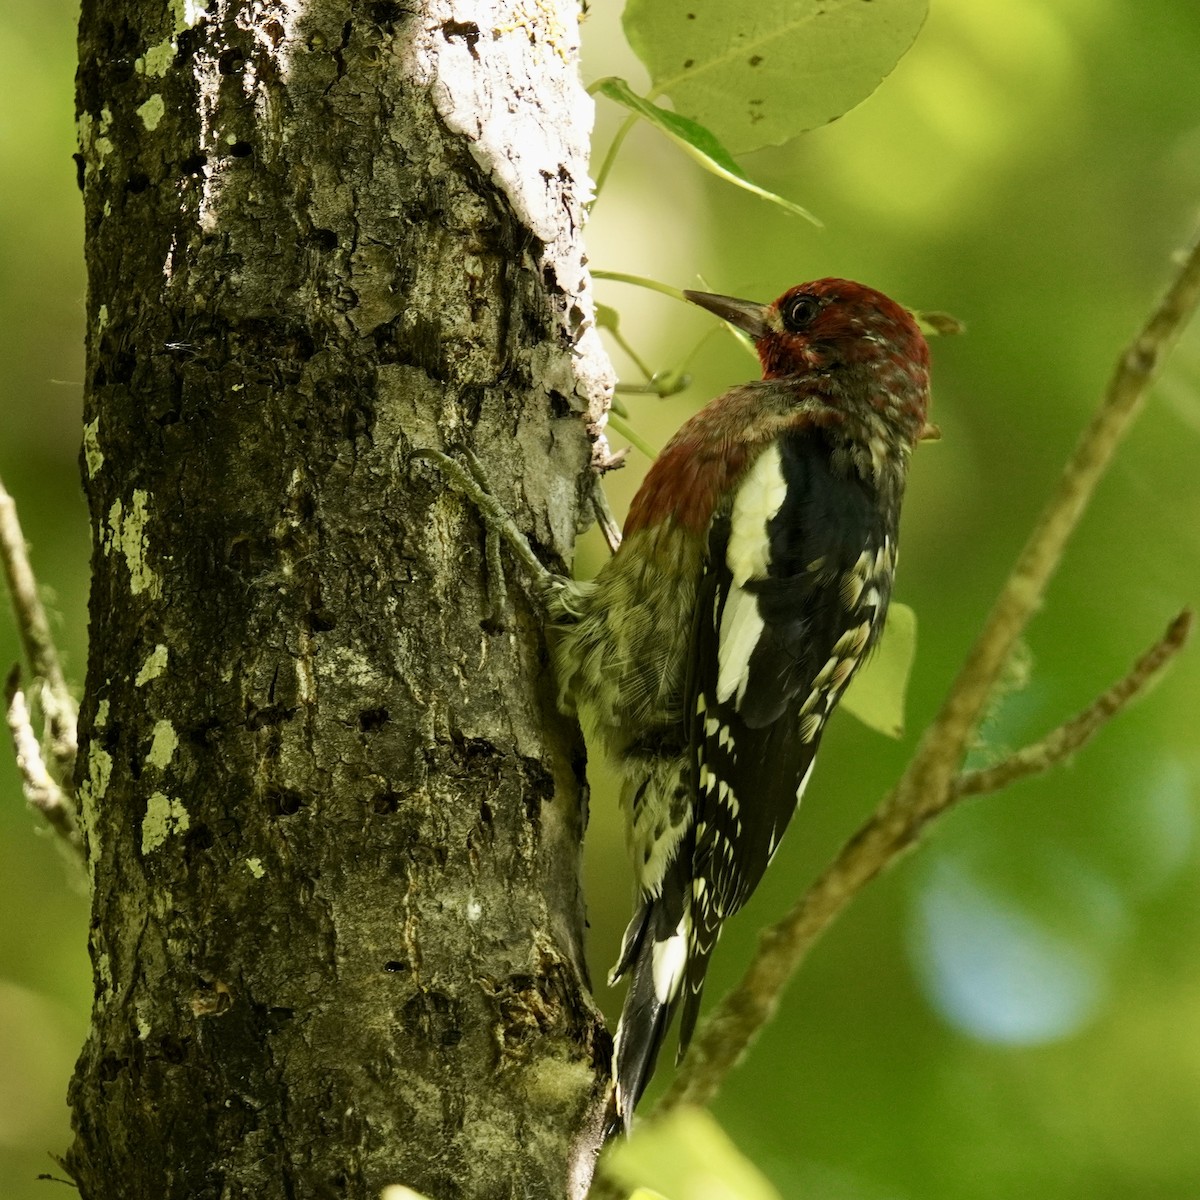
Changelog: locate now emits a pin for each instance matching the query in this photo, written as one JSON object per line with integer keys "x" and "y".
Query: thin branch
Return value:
{"x": 926, "y": 789}
{"x": 57, "y": 703}
{"x": 1074, "y": 734}
{"x": 610, "y": 527}
{"x": 40, "y": 789}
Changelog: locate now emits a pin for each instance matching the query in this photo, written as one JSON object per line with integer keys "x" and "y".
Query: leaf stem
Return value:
{"x": 641, "y": 281}
{"x": 635, "y": 439}
{"x": 610, "y": 156}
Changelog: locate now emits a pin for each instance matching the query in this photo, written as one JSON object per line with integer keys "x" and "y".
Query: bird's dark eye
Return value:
{"x": 799, "y": 311}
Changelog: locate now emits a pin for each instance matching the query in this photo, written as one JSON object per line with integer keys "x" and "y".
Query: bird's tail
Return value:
{"x": 655, "y": 953}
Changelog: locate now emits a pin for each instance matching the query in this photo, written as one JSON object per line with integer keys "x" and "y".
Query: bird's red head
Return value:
{"x": 858, "y": 355}
{"x": 837, "y": 326}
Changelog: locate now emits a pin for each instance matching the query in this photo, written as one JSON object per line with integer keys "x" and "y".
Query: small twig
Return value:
{"x": 40, "y": 789}
{"x": 931, "y": 772}
{"x": 57, "y": 703}
{"x": 926, "y": 788}
{"x": 610, "y": 527}
{"x": 1074, "y": 734}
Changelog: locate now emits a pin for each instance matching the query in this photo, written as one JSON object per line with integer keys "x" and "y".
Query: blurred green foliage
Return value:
{"x": 1011, "y": 1012}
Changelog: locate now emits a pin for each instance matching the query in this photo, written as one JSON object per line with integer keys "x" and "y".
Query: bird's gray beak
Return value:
{"x": 747, "y": 315}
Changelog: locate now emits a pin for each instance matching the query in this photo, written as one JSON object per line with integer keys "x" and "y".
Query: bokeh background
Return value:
{"x": 1015, "y": 1010}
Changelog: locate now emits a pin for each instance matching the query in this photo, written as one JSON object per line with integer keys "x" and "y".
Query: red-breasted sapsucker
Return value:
{"x": 753, "y": 579}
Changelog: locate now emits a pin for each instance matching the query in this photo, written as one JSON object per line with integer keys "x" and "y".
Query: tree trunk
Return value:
{"x": 333, "y": 817}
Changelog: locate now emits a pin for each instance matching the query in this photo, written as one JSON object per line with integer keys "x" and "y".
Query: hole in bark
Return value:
{"x": 241, "y": 149}
{"x": 186, "y": 43}
{"x": 197, "y": 839}
{"x": 110, "y": 1067}
{"x": 385, "y": 12}
{"x": 397, "y": 966}
{"x": 232, "y": 62}
{"x": 194, "y": 164}
{"x": 204, "y": 734}
{"x": 120, "y": 45}
{"x": 385, "y": 802}
{"x": 123, "y": 364}
{"x": 285, "y": 802}
{"x": 172, "y": 1049}
{"x": 321, "y": 620}
{"x": 372, "y": 719}
{"x": 474, "y": 751}
{"x": 539, "y": 787}
{"x": 277, "y": 1018}
{"x": 324, "y": 239}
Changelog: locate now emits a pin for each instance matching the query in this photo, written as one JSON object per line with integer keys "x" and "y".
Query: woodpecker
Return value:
{"x": 752, "y": 581}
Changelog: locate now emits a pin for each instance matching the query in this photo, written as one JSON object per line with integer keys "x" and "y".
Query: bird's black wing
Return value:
{"x": 784, "y": 626}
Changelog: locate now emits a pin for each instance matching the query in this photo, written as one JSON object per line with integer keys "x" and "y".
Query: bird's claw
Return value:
{"x": 471, "y": 483}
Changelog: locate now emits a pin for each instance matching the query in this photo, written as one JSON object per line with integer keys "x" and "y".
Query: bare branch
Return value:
{"x": 928, "y": 785}
{"x": 1074, "y": 734}
{"x": 40, "y": 652}
{"x": 929, "y": 777}
{"x": 40, "y": 789}
{"x": 610, "y": 527}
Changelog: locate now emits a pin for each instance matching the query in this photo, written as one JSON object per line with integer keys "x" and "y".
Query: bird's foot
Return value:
{"x": 470, "y": 482}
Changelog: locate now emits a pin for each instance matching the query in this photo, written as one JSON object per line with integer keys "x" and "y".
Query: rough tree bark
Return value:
{"x": 333, "y": 819}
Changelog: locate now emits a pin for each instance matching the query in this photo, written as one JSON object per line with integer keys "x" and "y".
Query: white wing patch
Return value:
{"x": 757, "y": 501}
{"x": 741, "y": 627}
{"x": 747, "y": 555}
{"x": 670, "y": 961}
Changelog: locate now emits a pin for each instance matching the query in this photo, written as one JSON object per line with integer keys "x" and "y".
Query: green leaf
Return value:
{"x": 698, "y": 141}
{"x": 877, "y": 693}
{"x": 758, "y": 72}
{"x": 686, "y": 1156}
{"x": 607, "y": 317}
